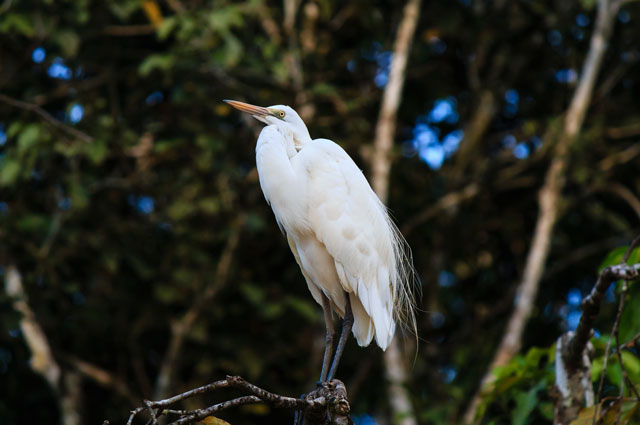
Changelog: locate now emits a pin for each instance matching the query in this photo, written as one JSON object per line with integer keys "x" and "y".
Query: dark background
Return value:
{"x": 160, "y": 213}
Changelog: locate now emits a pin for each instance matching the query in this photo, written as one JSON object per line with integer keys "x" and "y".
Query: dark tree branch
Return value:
{"x": 101, "y": 376}
{"x": 46, "y": 116}
{"x": 591, "y": 308}
{"x": 614, "y": 332}
{"x": 326, "y": 405}
{"x": 573, "y": 365}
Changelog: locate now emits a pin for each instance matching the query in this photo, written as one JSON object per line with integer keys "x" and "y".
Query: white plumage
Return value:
{"x": 337, "y": 228}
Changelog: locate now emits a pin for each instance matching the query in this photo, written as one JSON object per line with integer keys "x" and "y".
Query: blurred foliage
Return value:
{"x": 523, "y": 388}
{"x": 117, "y": 238}
{"x": 521, "y": 391}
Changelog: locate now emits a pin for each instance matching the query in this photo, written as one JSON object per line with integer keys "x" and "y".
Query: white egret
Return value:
{"x": 352, "y": 256}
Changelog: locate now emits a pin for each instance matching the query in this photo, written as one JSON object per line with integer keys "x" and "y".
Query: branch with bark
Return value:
{"x": 64, "y": 383}
{"x": 325, "y": 405}
{"x": 573, "y": 385}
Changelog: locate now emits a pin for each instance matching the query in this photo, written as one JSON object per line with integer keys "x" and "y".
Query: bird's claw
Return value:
{"x": 297, "y": 415}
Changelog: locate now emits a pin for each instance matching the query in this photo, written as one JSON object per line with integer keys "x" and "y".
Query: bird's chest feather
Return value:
{"x": 284, "y": 186}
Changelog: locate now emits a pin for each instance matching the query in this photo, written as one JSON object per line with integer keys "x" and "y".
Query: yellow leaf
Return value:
{"x": 153, "y": 12}
{"x": 627, "y": 416}
{"x": 585, "y": 417}
{"x": 611, "y": 413}
{"x": 212, "y": 420}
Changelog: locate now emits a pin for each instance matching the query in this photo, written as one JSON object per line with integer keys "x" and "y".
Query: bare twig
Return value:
{"x": 623, "y": 193}
{"x": 449, "y": 201}
{"x": 631, "y": 130}
{"x": 103, "y": 377}
{"x": 46, "y": 116}
{"x": 328, "y": 400}
{"x": 65, "y": 385}
{"x": 42, "y": 360}
{"x": 620, "y": 157}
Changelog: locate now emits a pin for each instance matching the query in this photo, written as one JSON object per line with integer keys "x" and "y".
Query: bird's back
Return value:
{"x": 349, "y": 221}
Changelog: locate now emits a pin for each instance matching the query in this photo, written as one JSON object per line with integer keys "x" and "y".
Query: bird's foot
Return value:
{"x": 297, "y": 414}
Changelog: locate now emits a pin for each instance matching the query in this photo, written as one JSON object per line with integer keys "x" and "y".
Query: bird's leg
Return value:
{"x": 347, "y": 324}
{"x": 328, "y": 342}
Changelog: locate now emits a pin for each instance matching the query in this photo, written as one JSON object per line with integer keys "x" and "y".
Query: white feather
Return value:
{"x": 338, "y": 230}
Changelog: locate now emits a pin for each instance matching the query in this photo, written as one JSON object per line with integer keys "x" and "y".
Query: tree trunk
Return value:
{"x": 400, "y": 402}
{"x": 66, "y": 386}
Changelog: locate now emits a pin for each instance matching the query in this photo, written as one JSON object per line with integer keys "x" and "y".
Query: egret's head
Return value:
{"x": 278, "y": 115}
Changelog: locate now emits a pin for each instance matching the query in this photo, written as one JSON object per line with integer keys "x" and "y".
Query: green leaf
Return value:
{"x": 9, "y": 171}
{"x": 162, "y": 61}
{"x": 547, "y": 410}
{"x": 33, "y": 223}
{"x": 525, "y": 403}
{"x": 632, "y": 365}
{"x": 630, "y": 319}
{"x": 534, "y": 355}
{"x": 17, "y": 23}
{"x": 634, "y": 257}
{"x": 614, "y": 374}
{"x": 165, "y": 293}
{"x": 166, "y": 27}
{"x": 614, "y": 257}
{"x": 209, "y": 205}
{"x": 304, "y": 308}
{"x": 233, "y": 50}
{"x": 123, "y": 10}
{"x": 14, "y": 129}
{"x": 96, "y": 151}
{"x": 28, "y": 138}
{"x": 79, "y": 195}
{"x": 68, "y": 41}
{"x": 180, "y": 210}
{"x": 596, "y": 368}
{"x": 254, "y": 294}
{"x": 224, "y": 18}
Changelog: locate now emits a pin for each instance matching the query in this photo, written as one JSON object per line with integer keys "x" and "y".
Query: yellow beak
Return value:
{"x": 256, "y": 111}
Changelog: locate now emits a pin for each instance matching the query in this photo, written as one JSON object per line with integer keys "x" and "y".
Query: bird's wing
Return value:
{"x": 349, "y": 219}
{"x": 315, "y": 291}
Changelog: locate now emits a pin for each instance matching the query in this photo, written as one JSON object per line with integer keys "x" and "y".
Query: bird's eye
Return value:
{"x": 281, "y": 114}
